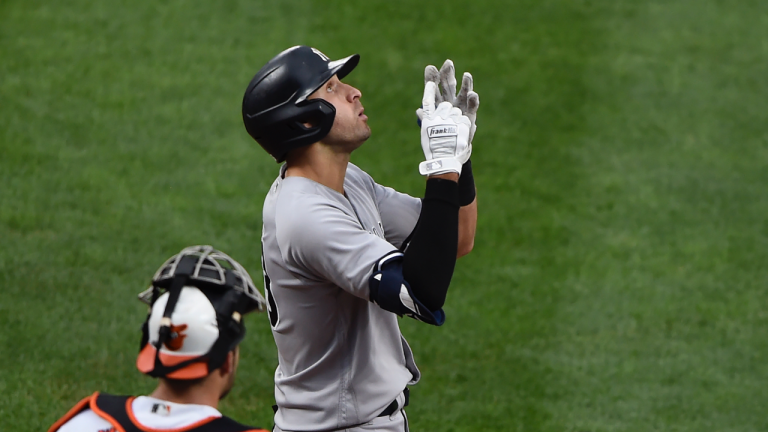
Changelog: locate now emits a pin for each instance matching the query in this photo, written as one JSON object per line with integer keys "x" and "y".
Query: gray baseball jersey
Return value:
{"x": 342, "y": 359}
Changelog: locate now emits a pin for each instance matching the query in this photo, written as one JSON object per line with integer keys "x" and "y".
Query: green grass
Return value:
{"x": 618, "y": 278}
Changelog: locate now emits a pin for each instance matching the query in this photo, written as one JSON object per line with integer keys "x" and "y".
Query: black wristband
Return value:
{"x": 466, "y": 185}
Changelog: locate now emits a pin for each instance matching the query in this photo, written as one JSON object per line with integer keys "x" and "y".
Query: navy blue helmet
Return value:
{"x": 275, "y": 106}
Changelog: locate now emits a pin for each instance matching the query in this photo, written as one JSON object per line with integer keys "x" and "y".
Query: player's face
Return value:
{"x": 350, "y": 126}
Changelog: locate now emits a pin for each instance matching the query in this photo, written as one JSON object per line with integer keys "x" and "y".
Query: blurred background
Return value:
{"x": 618, "y": 281}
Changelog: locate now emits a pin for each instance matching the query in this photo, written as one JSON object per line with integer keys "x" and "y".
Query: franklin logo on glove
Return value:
{"x": 442, "y": 130}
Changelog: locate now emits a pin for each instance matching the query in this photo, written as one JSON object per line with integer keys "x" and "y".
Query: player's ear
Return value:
{"x": 311, "y": 121}
{"x": 230, "y": 364}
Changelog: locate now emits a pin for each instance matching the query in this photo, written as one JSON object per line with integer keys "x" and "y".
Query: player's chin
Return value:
{"x": 360, "y": 137}
{"x": 365, "y": 133}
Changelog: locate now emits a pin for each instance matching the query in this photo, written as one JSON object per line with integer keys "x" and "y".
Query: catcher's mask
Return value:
{"x": 275, "y": 105}
{"x": 197, "y": 301}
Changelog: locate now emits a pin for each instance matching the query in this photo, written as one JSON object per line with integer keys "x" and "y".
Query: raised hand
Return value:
{"x": 444, "y": 134}
{"x": 467, "y": 99}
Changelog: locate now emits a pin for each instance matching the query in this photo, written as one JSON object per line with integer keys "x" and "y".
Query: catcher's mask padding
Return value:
{"x": 275, "y": 104}
{"x": 231, "y": 294}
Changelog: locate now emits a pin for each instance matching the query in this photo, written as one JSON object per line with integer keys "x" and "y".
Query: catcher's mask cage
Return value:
{"x": 275, "y": 105}
{"x": 225, "y": 284}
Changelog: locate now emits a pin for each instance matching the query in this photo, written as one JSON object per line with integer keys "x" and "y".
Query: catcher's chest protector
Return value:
{"x": 114, "y": 410}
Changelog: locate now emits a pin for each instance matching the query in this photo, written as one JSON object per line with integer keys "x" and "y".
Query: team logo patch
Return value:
{"x": 177, "y": 337}
{"x": 435, "y": 165}
{"x": 442, "y": 131}
{"x": 161, "y": 409}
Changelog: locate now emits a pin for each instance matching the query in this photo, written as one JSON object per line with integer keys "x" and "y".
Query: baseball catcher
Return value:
{"x": 189, "y": 342}
{"x": 343, "y": 257}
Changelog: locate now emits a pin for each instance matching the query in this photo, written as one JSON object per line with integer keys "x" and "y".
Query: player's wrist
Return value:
{"x": 446, "y": 176}
{"x": 443, "y": 189}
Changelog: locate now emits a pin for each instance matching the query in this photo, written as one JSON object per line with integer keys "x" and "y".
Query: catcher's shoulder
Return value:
{"x": 83, "y": 421}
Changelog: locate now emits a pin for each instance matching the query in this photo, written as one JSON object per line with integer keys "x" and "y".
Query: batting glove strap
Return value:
{"x": 440, "y": 166}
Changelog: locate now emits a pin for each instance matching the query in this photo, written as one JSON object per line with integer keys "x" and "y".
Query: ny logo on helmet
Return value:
{"x": 322, "y": 56}
{"x": 177, "y": 337}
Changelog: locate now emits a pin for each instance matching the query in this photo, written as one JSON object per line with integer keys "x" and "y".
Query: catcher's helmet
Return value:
{"x": 275, "y": 105}
{"x": 199, "y": 294}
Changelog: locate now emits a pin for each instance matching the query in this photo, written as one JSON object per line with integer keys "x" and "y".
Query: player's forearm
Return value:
{"x": 431, "y": 255}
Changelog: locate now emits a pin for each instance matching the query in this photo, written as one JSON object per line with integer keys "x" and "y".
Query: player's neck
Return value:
{"x": 320, "y": 163}
{"x": 197, "y": 395}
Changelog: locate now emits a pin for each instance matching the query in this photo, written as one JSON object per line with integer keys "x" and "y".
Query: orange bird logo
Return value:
{"x": 177, "y": 337}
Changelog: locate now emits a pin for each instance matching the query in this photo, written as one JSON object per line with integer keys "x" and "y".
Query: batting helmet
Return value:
{"x": 275, "y": 105}
{"x": 197, "y": 300}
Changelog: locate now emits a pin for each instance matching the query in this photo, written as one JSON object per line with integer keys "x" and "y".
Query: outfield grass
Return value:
{"x": 618, "y": 278}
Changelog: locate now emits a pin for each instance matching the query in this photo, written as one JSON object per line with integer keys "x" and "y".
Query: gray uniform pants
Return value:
{"x": 397, "y": 422}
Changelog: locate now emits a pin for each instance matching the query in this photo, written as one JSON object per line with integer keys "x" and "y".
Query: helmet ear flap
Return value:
{"x": 319, "y": 114}
{"x": 230, "y": 309}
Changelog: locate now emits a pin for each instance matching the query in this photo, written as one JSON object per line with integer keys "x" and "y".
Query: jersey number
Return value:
{"x": 271, "y": 305}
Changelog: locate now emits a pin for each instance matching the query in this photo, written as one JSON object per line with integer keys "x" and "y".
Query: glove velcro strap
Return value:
{"x": 440, "y": 166}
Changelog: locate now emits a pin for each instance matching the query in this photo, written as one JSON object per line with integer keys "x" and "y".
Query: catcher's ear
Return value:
{"x": 230, "y": 363}
{"x": 226, "y": 367}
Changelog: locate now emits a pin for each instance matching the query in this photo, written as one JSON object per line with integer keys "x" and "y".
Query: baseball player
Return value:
{"x": 343, "y": 256}
{"x": 190, "y": 342}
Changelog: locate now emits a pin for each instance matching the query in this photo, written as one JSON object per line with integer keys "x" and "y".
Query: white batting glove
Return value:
{"x": 444, "y": 135}
{"x": 467, "y": 100}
